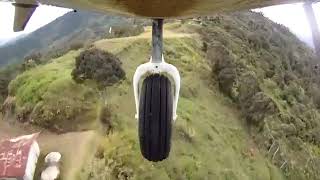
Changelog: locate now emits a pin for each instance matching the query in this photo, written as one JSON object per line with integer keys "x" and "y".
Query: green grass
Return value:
{"x": 209, "y": 139}
{"x": 30, "y": 86}
{"x": 56, "y": 101}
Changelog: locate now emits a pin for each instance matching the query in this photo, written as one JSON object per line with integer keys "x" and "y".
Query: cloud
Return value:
{"x": 292, "y": 16}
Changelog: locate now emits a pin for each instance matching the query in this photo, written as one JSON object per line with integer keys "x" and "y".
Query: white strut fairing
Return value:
{"x": 164, "y": 68}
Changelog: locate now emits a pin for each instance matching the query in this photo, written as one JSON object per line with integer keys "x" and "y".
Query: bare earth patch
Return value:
{"x": 74, "y": 146}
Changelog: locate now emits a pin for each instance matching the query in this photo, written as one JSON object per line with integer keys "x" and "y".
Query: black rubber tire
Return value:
{"x": 155, "y": 117}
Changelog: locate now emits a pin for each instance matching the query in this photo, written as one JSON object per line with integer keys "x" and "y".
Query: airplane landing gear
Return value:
{"x": 156, "y": 89}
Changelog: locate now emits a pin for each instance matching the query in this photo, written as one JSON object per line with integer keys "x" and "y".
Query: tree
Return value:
{"x": 3, "y": 88}
{"x": 31, "y": 60}
{"x": 35, "y": 56}
{"x": 100, "y": 67}
{"x": 313, "y": 25}
{"x": 6, "y": 75}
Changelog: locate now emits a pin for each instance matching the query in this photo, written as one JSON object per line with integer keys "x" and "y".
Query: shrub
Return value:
{"x": 28, "y": 64}
{"x": 258, "y": 107}
{"x": 292, "y": 93}
{"x": 35, "y": 56}
{"x": 8, "y": 107}
{"x": 248, "y": 86}
{"x": 254, "y": 40}
{"x": 6, "y": 75}
{"x": 57, "y": 53}
{"x": 22, "y": 115}
{"x": 4, "y": 82}
{"x": 102, "y": 67}
{"x": 314, "y": 94}
{"x": 31, "y": 61}
{"x": 76, "y": 46}
{"x": 223, "y": 67}
{"x": 227, "y": 79}
{"x": 65, "y": 111}
{"x": 105, "y": 118}
{"x": 99, "y": 152}
{"x": 220, "y": 57}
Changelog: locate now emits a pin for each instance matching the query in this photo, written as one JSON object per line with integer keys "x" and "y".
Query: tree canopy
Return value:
{"x": 100, "y": 66}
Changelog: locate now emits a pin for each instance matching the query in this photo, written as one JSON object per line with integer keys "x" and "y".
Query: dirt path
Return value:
{"x": 75, "y": 146}
{"x": 115, "y": 45}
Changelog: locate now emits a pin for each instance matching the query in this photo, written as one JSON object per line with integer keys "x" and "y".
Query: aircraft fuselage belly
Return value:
{"x": 160, "y": 8}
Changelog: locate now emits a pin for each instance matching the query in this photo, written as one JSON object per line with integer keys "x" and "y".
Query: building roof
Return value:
{"x": 14, "y": 155}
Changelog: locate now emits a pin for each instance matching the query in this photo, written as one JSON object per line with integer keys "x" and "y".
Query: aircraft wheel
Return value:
{"x": 155, "y": 117}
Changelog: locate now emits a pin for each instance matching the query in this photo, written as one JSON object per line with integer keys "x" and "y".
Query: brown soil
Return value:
{"x": 74, "y": 147}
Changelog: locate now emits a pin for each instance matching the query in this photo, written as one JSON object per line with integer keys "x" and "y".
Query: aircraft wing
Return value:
{"x": 23, "y": 13}
{"x": 145, "y": 8}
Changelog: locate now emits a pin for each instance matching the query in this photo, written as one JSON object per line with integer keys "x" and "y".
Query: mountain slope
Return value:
{"x": 269, "y": 75}
{"x": 273, "y": 78}
{"x": 80, "y": 27}
{"x": 249, "y": 105}
{"x": 209, "y": 139}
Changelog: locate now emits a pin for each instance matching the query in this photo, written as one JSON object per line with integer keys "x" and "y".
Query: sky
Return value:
{"x": 291, "y": 15}
{"x": 42, "y": 16}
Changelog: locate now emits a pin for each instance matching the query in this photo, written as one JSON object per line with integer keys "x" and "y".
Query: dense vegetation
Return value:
{"x": 6, "y": 75}
{"x": 273, "y": 78}
{"x": 46, "y": 95}
{"x": 99, "y": 66}
{"x": 206, "y": 141}
{"x": 249, "y": 105}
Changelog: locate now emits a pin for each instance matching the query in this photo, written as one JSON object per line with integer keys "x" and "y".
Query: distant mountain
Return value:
{"x": 77, "y": 27}
{"x": 3, "y": 41}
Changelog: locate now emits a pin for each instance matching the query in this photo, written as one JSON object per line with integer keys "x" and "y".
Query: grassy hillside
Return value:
{"x": 47, "y": 96}
{"x": 273, "y": 78}
{"x": 209, "y": 138}
{"x": 249, "y": 105}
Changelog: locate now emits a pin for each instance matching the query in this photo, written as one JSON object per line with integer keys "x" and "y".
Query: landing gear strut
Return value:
{"x": 156, "y": 89}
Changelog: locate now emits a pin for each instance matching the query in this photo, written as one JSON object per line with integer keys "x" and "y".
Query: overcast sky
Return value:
{"x": 42, "y": 16}
{"x": 291, "y": 15}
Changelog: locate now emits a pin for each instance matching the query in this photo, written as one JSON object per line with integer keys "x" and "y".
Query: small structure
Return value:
{"x": 52, "y": 171}
{"x": 18, "y": 157}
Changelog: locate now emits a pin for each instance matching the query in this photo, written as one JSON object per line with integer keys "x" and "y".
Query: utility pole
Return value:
{"x": 313, "y": 25}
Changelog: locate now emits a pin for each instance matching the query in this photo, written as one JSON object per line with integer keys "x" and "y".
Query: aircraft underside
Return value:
{"x": 143, "y": 8}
